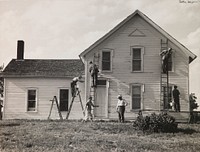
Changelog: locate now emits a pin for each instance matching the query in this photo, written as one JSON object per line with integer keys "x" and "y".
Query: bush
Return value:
{"x": 155, "y": 123}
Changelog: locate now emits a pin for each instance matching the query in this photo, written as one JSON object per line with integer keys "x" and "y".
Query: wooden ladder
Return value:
{"x": 70, "y": 107}
{"x": 164, "y": 79}
{"x": 55, "y": 100}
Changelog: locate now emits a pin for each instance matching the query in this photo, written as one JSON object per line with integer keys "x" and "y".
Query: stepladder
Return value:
{"x": 71, "y": 104}
{"x": 58, "y": 109}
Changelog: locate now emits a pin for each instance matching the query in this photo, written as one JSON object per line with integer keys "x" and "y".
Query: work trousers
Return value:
{"x": 121, "y": 110}
{"x": 94, "y": 79}
{"x": 177, "y": 105}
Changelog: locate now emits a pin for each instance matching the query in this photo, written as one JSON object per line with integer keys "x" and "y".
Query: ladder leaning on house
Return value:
{"x": 164, "y": 79}
{"x": 93, "y": 89}
{"x": 55, "y": 100}
{"x": 70, "y": 107}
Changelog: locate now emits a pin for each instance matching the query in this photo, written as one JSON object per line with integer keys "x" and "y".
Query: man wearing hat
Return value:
{"x": 121, "y": 104}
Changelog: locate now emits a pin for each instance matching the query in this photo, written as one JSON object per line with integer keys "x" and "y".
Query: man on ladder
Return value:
{"x": 75, "y": 91}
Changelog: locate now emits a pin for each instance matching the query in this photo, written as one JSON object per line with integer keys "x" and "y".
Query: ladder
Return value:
{"x": 164, "y": 80}
{"x": 55, "y": 100}
{"x": 70, "y": 107}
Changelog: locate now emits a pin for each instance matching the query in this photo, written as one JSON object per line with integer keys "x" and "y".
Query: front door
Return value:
{"x": 101, "y": 100}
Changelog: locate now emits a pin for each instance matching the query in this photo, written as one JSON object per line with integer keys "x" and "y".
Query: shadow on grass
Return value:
{"x": 186, "y": 131}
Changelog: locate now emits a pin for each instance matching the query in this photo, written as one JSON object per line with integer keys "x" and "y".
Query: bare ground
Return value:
{"x": 77, "y": 136}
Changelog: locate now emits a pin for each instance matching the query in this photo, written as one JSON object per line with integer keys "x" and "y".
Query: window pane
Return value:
{"x": 106, "y": 56}
{"x": 31, "y": 94}
{"x": 105, "y": 65}
{"x": 137, "y": 53}
{"x": 136, "y": 97}
{"x": 170, "y": 63}
{"x": 136, "y": 65}
{"x": 136, "y": 103}
{"x": 106, "y": 62}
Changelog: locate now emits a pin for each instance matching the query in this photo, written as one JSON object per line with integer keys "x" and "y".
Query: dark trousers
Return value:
{"x": 177, "y": 105}
{"x": 94, "y": 80}
{"x": 121, "y": 110}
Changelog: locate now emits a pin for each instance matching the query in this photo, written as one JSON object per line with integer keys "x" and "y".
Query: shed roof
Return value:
{"x": 44, "y": 68}
{"x": 158, "y": 28}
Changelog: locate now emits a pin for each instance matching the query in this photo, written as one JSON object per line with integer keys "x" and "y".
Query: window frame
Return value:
{"x": 142, "y": 58}
{"x": 142, "y": 89}
{"x": 111, "y": 61}
{"x": 36, "y": 100}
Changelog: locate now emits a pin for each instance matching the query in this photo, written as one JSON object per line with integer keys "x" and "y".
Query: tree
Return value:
{"x": 193, "y": 102}
{"x": 193, "y": 105}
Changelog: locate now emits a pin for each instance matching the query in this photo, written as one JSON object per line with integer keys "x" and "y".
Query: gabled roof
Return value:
{"x": 44, "y": 68}
{"x": 158, "y": 28}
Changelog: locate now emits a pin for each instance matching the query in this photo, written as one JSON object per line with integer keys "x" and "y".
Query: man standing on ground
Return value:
{"x": 176, "y": 95}
{"x": 121, "y": 104}
{"x": 88, "y": 107}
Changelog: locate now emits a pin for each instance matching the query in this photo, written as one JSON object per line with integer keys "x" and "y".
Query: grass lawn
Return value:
{"x": 76, "y": 136}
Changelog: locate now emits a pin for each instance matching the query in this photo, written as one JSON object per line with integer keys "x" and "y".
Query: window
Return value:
{"x": 32, "y": 100}
{"x": 170, "y": 63}
{"x": 106, "y": 60}
{"x": 137, "y": 59}
{"x": 64, "y": 99}
{"x": 136, "y": 97}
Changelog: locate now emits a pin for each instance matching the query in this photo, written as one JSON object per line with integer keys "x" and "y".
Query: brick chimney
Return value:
{"x": 20, "y": 50}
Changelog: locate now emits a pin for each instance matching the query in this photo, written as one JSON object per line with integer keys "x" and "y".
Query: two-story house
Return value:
{"x": 130, "y": 63}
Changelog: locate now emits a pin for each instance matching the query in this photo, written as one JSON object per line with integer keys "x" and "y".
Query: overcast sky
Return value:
{"x": 62, "y": 29}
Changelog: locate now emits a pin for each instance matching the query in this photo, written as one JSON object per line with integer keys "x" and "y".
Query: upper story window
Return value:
{"x": 137, "y": 59}
{"x": 106, "y": 60}
{"x": 170, "y": 63}
{"x": 32, "y": 100}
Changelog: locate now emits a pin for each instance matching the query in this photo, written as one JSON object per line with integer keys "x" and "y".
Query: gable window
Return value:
{"x": 106, "y": 61}
{"x": 32, "y": 100}
{"x": 137, "y": 59}
{"x": 64, "y": 99}
{"x": 136, "y": 96}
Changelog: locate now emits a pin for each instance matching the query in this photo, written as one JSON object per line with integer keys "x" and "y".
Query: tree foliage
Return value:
{"x": 193, "y": 102}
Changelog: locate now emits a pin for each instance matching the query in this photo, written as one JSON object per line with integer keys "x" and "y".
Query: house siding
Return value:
{"x": 16, "y": 98}
{"x": 121, "y": 76}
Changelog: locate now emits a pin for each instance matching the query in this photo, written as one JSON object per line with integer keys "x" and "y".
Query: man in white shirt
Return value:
{"x": 121, "y": 104}
{"x": 74, "y": 85}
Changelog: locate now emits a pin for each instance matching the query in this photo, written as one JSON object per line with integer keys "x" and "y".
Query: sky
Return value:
{"x": 62, "y": 29}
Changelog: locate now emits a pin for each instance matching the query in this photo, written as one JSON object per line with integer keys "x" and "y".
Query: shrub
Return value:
{"x": 155, "y": 123}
